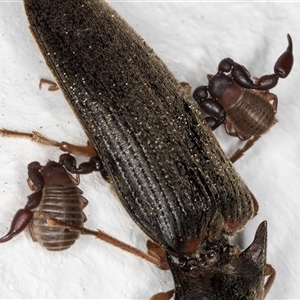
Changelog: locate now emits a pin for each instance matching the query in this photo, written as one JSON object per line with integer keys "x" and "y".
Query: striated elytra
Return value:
{"x": 165, "y": 165}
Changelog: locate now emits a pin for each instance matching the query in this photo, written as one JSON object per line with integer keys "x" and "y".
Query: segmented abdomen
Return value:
{"x": 61, "y": 203}
{"x": 252, "y": 114}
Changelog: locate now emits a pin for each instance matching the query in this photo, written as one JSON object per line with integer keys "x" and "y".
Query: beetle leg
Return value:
{"x": 37, "y": 137}
{"x": 34, "y": 136}
{"x": 52, "y": 84}
{"x": 94, "y": 164}
{"x": 271, "y": 272}
{"x": 87, "y": 150}
{"x": 163, "y": 295}
{"x": 159, "y": 253}
{"x": 99, "y": 234}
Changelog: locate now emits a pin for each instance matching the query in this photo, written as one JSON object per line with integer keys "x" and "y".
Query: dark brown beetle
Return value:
{"x": 244, "y": 106}
{"x": 55, "y": 195}
{"x": 164, "y": 163}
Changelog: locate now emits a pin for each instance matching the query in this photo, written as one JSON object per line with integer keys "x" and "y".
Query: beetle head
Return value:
{"x": 223, "y": 272}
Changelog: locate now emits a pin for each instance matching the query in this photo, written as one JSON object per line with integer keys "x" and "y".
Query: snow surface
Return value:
{"x": 191, "y": 37}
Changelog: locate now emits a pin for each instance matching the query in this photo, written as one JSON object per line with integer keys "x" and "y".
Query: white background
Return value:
{"x": 191, "y": 38}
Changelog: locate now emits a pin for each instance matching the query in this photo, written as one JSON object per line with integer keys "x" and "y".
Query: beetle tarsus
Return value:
{"x": 99, "y": 234}
{"x": 163, "y": 295}
{"x": 271, "y": 273}
{"x": 87, "y": 150}
{"x": 158, "y": 253}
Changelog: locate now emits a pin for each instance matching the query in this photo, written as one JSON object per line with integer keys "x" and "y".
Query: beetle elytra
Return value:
{"x": 169, "y": 161}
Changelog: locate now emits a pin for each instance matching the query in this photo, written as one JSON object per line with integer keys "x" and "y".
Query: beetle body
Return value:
{"x": 164, "y": 163}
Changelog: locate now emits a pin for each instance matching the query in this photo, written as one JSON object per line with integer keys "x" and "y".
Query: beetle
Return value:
{"x": 245, "y": 106}
{"x": 164, "y": 163}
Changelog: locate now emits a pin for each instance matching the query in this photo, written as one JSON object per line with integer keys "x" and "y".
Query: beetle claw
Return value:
{"x": 163, "y": 295}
